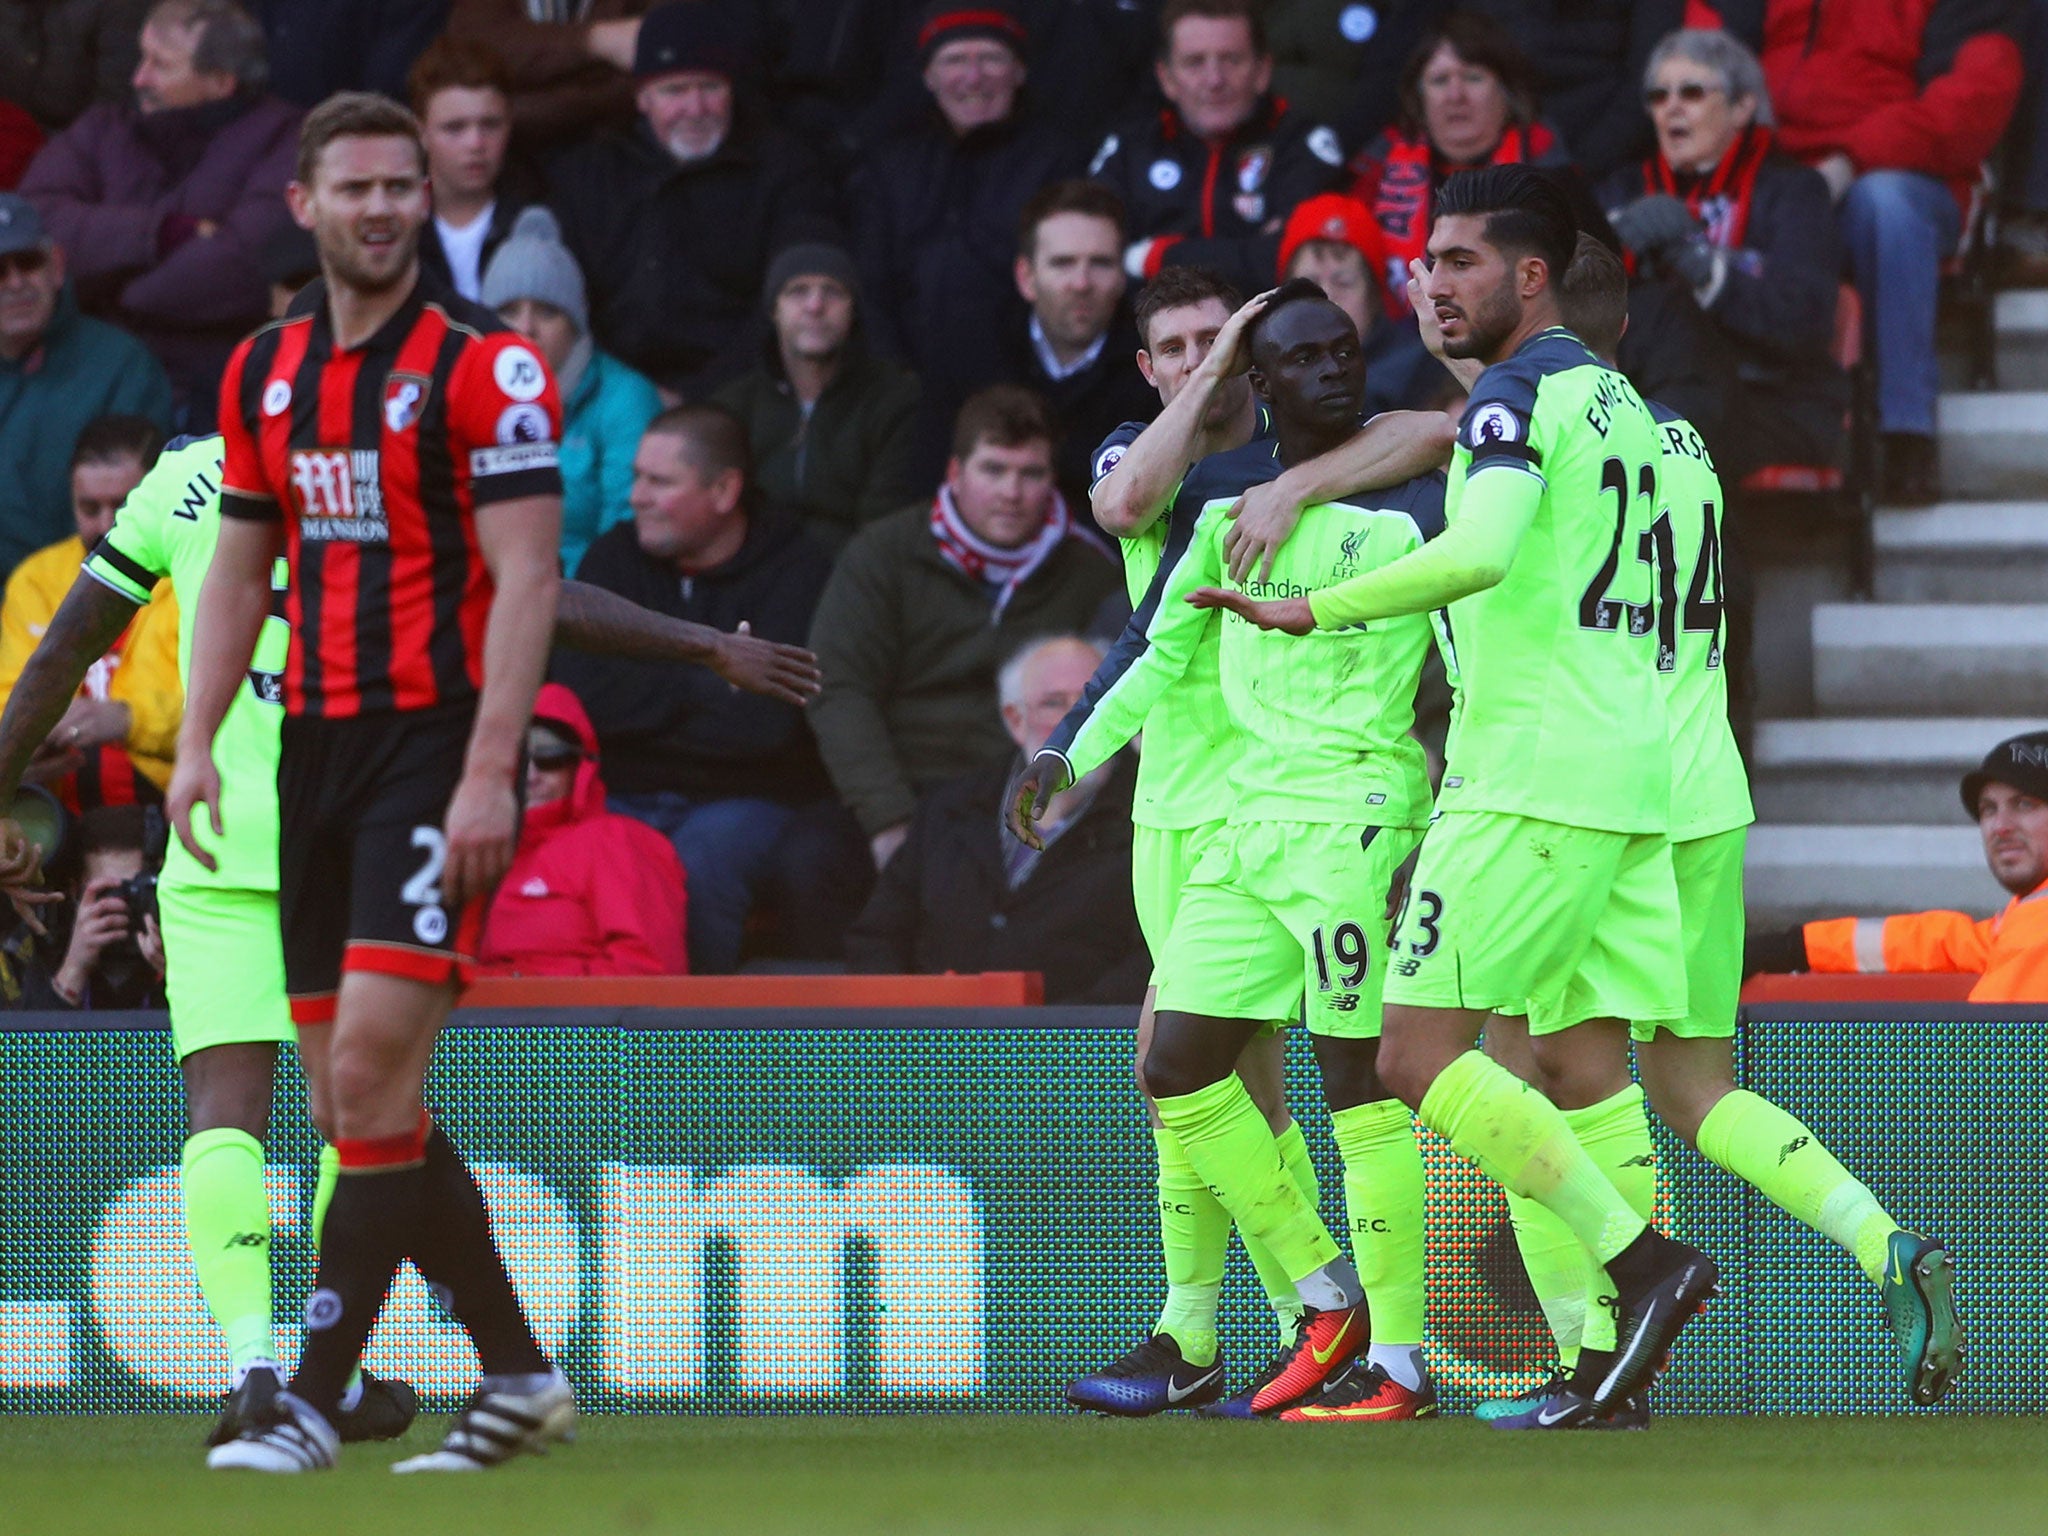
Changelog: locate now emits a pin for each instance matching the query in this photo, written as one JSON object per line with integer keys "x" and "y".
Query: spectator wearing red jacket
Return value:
{"x": 1896, "y": 103}
{"x": 589, "y": 893}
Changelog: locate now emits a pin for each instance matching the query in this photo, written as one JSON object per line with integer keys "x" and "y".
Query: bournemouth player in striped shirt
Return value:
{"x": 398, "y": 447}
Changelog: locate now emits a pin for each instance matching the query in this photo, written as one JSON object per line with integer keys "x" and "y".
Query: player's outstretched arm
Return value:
{"x": 1129, "y": 499}
{"x": 234, "y": 600}
{"x": 518, "y": 539}
{"x": 590, "y": 618}
{"x": 90, "y": 619}
{"x": 1392, "y": 447}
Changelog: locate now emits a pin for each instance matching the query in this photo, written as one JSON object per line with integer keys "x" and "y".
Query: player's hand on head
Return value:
{"x": 1230, "y": 355}
{"x": 482, "y": 831}
{"x": 195, "y": 782}
{"x": 1263, "y": 519}
{"x": 767, "y": 667}
{"x": 1290, "y": 616}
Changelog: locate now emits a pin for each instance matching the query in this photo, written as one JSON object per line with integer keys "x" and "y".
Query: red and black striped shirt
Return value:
{"x": 378, "y": 459}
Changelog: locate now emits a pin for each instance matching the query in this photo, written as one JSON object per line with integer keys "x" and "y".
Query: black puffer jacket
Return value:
{"x": 944, "y": 903}
{"x": 674, "y": 253}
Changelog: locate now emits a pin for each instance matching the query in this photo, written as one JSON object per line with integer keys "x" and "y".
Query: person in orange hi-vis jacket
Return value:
{"x": 2008, "y": 795}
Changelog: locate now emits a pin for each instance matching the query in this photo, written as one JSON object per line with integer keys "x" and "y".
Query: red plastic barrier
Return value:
{"x": 1856, "y": 988}
{"x": 989, "y": 989}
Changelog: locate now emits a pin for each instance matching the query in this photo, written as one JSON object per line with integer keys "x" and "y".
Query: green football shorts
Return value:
{"x": 224, "y": 958}
{"x": 1508, "y": 912}
{"x": 1162, "y": 859}
{"x": 1708, "y": 871}
{"x": 1276, "y": 911}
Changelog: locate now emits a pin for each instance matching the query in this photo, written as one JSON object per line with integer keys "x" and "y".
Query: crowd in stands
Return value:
{"x": 839, "y": 296}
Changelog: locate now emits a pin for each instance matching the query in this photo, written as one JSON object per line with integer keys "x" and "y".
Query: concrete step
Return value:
{"x": 1994, "y": 445}
{"x": 2022, "y": 320}
{"x": 1963, "y": 552}
{"x": 1917, "y": 658}
{"x": 1799, "y": 872}
{"x": 1870, "y": 770}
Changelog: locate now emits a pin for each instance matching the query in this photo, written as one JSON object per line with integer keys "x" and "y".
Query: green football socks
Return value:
{"x": 1782, "y": 1160}
{"x": 1615, "y": 1134}
{"x": 1556, "y": 1264}
{"x": 1194, "y": 1232}
{"x": 1227, "y": 1140}
{"x": 1280, "y": 1292}
{"x": 227, "y": 1223}
{"x": 1523, "y": 1143}
{"x": 1383, "y": 1196}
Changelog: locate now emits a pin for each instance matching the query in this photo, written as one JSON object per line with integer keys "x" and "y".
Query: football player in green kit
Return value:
{"x": 1545, "y": 886}
{"x": 1326, "y": 798}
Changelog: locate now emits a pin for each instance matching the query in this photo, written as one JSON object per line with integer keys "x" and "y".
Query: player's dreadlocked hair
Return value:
{"x": 1293, "y": 291}
{"x": 1526, "y": 212}
{"x": 1593, "y": 298}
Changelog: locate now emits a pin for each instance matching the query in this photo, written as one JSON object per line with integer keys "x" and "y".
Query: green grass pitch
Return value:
{"x": 143, "y": 1476}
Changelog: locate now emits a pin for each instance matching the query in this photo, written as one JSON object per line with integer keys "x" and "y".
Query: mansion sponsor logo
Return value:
{"x": 340, "y": 497}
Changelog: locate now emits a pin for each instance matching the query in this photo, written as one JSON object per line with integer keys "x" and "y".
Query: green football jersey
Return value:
{"x": 1709, "y": 786}
{"x": 168, "y": 526}
{"x": 1322, "y": 724}
{"x": 1184, "y": 760}
{"x": 1561, "y": 714}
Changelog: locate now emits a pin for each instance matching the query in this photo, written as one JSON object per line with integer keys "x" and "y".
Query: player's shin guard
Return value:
{"x": 227, "y": 1224}
{"x": 1383, "y": 1195}
{"x": 1273, "y": 1278}
{"x": 1194, "y": 1235}
{"x": 456, "y": 1252}
{"x": 371, "y": 1225}
{"x": 1615, "y": 1134}
{"x": 1231, "y": 1146}
{"x": 1522, "y": 1142}
{"x": 1781, "y": 1159}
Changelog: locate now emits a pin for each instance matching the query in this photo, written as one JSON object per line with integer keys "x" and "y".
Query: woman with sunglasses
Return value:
{"x": 1745, "y": 236}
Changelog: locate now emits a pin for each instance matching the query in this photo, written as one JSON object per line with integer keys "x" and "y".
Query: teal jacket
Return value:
{"x": 608, "y": 408}
{"x": 84, "y": 368}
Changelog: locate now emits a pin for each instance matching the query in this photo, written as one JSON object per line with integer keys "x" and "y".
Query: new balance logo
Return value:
{"x": 1797, "y": 1143}
{"x": 249, "y": 1240}
{"x": 1647, "y": 1160}
{"x": 1344, "y": 1002}
{"x": 1407, "y": 966}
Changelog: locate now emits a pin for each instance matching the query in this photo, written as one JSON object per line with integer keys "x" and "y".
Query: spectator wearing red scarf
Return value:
{"x": 1468, "y": 98}
{"x": 1729, "y": 226}
{"x": 589, "y": 893}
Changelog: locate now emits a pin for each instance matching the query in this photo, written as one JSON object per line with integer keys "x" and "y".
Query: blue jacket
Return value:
{"x": 84, "y": 368}
{"x": 602, "y": 421}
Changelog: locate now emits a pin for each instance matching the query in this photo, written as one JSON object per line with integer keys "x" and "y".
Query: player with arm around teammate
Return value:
{"x": 1545, "y": 885}
{"x": 1687, "y": 1063}
{"x": 1291, "y": 898}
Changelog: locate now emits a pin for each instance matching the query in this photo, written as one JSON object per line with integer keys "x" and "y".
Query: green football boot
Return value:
{"x": 1919, "y": 1301}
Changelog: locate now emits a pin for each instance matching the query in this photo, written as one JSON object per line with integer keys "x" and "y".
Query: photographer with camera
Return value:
{"x": 114, "y": 957}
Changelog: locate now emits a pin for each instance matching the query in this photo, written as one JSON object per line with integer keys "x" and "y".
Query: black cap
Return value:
{"x": 692, "y": 35}
{"x": 2021, "y": 761}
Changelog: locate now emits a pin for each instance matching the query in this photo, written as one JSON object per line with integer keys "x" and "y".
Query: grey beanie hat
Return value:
{"x": 534, "y": 264}
{"x": 817, "y": 258}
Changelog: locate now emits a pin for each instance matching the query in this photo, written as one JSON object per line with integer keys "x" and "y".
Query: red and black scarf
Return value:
{"x": 1721, "y": 198}
{"x": 1409, "y": 175}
